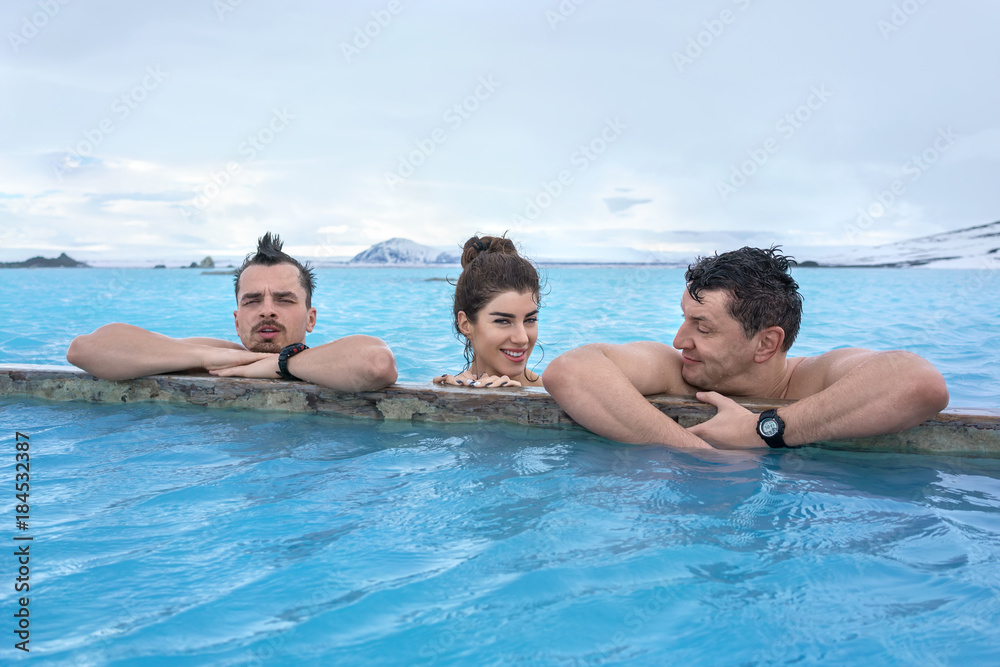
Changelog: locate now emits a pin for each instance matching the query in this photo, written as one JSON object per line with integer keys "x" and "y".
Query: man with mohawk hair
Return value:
{"x": 273, "y": 315}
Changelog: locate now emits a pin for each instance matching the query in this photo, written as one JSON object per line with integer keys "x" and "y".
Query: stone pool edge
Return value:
{"x": 950, "y": 433}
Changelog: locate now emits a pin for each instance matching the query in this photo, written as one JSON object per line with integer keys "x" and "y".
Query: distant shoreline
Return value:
{"x": 542, "y": 265}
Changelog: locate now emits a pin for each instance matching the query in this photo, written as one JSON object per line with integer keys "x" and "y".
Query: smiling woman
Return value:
{"x": 496, "y": 312}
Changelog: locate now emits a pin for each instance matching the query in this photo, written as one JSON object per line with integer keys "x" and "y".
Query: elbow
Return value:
{"x": 563, "y": 372}
{"x": 380, "y": 367}
{"x": 555, "y": 374}
{"x": 934, "y": 394}
{"x": 928, "y": 393}
{"x": 92, "y": 353}
{"x": 85, "y": 353}
{"x": 77, "y": 352}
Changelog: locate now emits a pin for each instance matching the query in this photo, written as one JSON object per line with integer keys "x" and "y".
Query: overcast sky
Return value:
{"x": 160, "y": 130}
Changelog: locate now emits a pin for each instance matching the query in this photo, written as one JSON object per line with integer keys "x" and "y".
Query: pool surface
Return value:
{"x": 177, "y": 535}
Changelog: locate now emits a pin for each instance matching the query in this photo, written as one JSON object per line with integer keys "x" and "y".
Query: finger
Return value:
{"x": 713, "y": 398}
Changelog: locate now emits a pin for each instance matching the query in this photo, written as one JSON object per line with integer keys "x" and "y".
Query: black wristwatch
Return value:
{"x": 287, "y": 353}
{"x": 771, "y": 428}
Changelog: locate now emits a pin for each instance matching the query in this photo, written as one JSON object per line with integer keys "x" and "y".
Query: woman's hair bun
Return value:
{"x": 479, "y": 245}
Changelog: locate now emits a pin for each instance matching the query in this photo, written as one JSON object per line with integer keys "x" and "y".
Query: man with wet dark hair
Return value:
{"x": 273, "y": 315}
{"x": 742, "y": 311}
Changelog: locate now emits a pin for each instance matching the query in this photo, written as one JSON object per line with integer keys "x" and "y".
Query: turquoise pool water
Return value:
{"x": 949, "y": 317}
{"x": 168, "y": 535}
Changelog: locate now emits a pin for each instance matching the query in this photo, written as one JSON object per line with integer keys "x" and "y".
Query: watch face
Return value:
{"x": 768, "y": 427}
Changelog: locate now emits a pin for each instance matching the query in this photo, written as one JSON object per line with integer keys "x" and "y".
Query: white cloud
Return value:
{"x": 320, "y": 181}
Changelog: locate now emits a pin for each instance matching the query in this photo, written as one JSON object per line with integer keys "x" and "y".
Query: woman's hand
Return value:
{"x": 483, "y": 380}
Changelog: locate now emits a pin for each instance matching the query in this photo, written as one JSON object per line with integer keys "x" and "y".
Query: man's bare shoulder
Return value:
{"x": 811, "y": 375}
{"x": 653, "y": 368}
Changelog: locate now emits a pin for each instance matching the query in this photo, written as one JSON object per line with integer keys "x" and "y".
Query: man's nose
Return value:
{"x": 682, "y": 340}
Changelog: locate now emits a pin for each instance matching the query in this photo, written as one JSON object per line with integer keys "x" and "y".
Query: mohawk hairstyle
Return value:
{"x": 269, "y": 253}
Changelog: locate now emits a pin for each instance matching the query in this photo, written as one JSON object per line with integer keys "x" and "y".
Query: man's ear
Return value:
{"x": 464, "y": 325}
{"x": 769, "y": 343}
{"x": 311, "y": 320}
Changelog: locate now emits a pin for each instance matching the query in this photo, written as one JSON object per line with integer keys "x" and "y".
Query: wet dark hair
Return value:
{"x": 269, "y": 254}
{"x": 762, "y": 292}
{"x": 490, "y": 265}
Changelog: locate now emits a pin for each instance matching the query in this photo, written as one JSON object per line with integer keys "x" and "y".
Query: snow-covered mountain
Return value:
{"x": 970, "y": 248}
{"x": 404, "y": 251}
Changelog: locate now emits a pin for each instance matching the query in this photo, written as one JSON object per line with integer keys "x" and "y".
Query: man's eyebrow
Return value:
{"x": 276, "y": 295}
{"x": 696, "y": 318}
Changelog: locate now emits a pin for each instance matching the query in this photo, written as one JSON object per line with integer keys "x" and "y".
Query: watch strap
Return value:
{"x": 287, "y": 353}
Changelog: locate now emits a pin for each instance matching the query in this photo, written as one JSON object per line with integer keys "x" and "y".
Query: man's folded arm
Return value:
{"x": 123, "y": 352}
{"x": 352, "y": 363}
{"x": 603, "y": 388}
{"x": 864, "y": 393}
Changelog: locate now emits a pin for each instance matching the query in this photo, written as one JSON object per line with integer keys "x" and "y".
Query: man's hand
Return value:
{"x": 483, "y": 380}
{"x": 733, "y": 426}
{"x": 265, "y": 366}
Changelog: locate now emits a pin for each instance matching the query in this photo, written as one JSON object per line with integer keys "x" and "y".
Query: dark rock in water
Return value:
{"x": 160, "y": 266}
{"x": 206, "y": 263}
{"x": 61, "y": 261}
{"x": 808, "y": 264}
